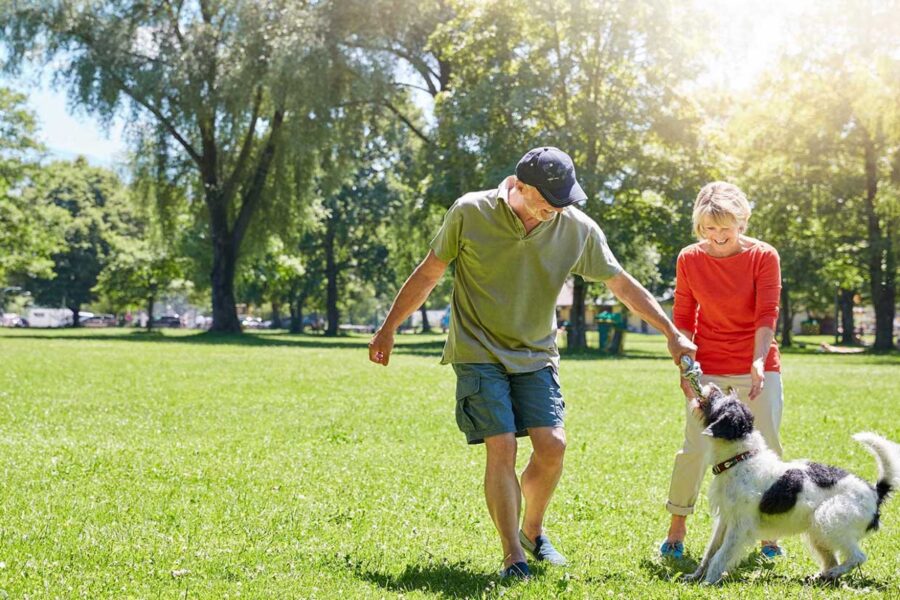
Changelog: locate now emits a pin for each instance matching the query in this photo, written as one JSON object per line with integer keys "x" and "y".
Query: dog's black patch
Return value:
{"x": 730, "y": 420}
{"x": 782, "y": 495}
{"x": 882, "y": 490}
{"x": 825, "y": 476}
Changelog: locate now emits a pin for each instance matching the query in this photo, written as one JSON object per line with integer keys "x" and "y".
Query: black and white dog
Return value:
{"x": 755, "y": 496}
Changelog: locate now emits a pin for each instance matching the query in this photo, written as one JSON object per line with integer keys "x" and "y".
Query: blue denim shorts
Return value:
{"x": 490, "y": 401}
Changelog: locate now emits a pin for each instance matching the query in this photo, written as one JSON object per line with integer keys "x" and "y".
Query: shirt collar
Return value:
{"x": 503, "y": 190}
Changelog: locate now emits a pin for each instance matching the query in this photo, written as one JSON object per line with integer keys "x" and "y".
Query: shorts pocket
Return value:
{"x": 559, "y": 405}
{"x": 466, "y": 387}
{"x": 560, "y": 408}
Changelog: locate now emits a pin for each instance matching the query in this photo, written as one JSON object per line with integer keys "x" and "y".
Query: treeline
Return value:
{"x": 302, "y": 153}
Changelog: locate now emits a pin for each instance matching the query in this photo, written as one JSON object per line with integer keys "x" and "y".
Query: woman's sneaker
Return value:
{"x": 542, "y": 549}
{"x": 671, "y": 549}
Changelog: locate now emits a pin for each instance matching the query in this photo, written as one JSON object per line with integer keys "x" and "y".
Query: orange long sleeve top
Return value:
{"x": 723, "y": 301}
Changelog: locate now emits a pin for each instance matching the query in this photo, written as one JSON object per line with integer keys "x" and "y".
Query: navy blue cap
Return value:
{"x": 551, "y": 171}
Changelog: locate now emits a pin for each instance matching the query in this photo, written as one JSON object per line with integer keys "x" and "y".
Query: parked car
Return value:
{"x": 12, "y": 320}
{"x": 100, "y": 321}
{"x": 314, "y": 321}
{"x": 251, "y": 323}
{"x": 167, "y": 321}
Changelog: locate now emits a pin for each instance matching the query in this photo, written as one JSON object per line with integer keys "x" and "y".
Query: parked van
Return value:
{"x": 49, "y": 317}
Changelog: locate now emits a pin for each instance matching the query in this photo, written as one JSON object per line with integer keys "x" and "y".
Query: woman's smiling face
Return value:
{"x": 723, "y": 239}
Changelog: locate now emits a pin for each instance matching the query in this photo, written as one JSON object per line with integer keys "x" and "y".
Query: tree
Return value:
{"x": 91, "y": 197}
{"x": 271, "y": 277}
{"x": 821, "y": 150}
{"x": 142, "y": 264}
{"x": 29, "y": 231}
{"x": 601, "y": 81}
{"x": 220, "y": 89}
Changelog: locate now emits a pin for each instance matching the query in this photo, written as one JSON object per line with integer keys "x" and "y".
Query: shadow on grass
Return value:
{"x": 448, "y": 580}
{"x": 427, "y": 347}
{"x": 753, "y": 569}
{"x": 590, "y": 354}
{"x": 669, "y": 569}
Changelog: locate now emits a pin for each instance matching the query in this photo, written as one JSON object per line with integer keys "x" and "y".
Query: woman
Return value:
{"x": 726, "y": 301}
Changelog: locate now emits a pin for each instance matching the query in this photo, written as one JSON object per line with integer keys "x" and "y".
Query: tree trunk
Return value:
{"x": 224, "y": 310}
{"x": 787, "y": 317}
{"x": 882, "y": 263}
{"x": 846, "y": 303}
{"x": 276, "y": 315}
{"x": 225, "y": 239}
{"x": 75, "y": 308}
{"x": 150, "y": 300}
{"x": 426, "y": 326}
{"x": 331, "y": 274}
{"x": 294, "y": 326}
{"x": 296, "y": 309}
{"x": 576, "y": 335}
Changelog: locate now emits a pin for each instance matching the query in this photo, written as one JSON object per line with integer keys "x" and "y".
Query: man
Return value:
{"x": 513, "y": 249}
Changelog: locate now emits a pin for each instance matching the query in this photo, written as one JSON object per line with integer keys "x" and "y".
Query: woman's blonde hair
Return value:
{"x": 724, "y": 204}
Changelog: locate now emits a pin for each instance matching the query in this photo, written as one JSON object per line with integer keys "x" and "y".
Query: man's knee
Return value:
{"x": 549, "y": 444}
{"x": 501, "y": 449}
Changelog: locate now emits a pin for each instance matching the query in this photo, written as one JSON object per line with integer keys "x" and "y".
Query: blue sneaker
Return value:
{"x": 671, "y": 549}
{"x": 542, "y": 549}
{"x": 517, "y": 570}
{"x": 772, "y": 551}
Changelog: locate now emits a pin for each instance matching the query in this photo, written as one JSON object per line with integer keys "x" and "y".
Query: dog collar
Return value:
{"x": 727, "y": 464}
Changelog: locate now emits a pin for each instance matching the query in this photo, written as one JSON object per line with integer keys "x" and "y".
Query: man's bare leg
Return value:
{"x": 503, "y": 495}
{"x": 541, "y": 476}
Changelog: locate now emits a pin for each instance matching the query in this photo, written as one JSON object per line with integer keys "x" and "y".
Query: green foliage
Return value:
{"x": 29, "y": 231}
{"x": 272, "y": 275}
{"x": 144, "y": 262}
{"x": 817, "y": 144}
{"x": 218, "y": 90}
{"x": 92, "y": 200}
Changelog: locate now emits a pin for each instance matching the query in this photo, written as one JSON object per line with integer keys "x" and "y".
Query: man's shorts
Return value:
{"x": 490, "y": 401}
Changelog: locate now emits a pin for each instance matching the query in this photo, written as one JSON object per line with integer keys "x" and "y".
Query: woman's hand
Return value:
{"x": 757, "y": 378}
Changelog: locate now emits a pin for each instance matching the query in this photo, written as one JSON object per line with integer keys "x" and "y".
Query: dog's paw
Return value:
{"x": 821, "y": 579}
{"x": 831, "y": 575}
{"x": 695, "y": 576}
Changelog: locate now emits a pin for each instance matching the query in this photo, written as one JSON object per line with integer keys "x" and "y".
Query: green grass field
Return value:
{"x": 277, "y": 466}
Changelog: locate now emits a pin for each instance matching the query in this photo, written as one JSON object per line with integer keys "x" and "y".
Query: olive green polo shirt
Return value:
{"x": 506, "y": 282}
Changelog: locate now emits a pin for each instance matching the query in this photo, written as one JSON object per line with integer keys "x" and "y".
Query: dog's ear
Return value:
{"x": 731, "y": 423}
{"x": 712, "y": 391}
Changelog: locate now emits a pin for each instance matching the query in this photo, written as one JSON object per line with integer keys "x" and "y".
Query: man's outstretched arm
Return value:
{"x": 410, "y": 297}
{"x": 639, "y": 300}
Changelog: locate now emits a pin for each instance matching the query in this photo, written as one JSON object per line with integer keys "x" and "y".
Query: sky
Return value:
{"x": 65, "y": 132}
{"x": 749, "y": 35}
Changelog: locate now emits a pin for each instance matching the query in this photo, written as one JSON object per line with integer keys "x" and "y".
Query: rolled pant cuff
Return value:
{"x": 681, "y": 511}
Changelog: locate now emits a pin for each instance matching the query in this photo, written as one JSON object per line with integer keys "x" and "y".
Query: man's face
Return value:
{"x": 535, "y": 204}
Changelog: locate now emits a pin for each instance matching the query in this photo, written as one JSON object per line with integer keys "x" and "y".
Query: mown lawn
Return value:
{"x": 277, "y": 466}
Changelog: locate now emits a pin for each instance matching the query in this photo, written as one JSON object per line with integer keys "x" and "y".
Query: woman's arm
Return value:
{"x": 768, "y": 295}
{"x": 761, "y": 344}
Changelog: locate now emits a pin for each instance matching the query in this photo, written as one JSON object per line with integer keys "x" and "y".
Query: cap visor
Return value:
{"x": 563, "y": 196}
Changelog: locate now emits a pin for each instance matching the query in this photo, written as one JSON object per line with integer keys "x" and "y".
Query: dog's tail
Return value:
{"x": 887, "y": 455}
